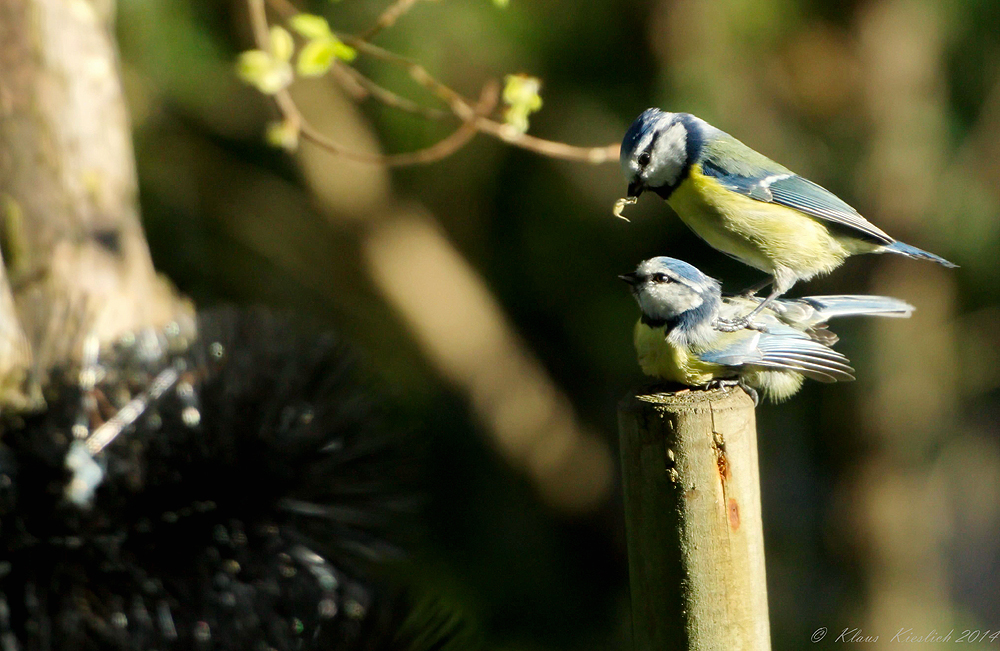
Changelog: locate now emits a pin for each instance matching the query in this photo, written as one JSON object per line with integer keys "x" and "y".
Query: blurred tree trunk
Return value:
{"x": 75, "y": 260}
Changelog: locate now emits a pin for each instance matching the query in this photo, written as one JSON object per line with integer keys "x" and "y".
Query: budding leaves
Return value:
{"x": 521, "y": 97}
{"x": 310, "y": 26}
{"x": 321, "y": 48}
{"x": 271, "y": 70}
{"x": 283, "y": 135}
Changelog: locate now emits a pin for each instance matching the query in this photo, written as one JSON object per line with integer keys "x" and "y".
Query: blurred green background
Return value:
{"x": 483, "y": 288}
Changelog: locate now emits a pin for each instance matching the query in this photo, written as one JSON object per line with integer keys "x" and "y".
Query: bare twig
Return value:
{"x": 438, "y": 151}
{"x": 388, "y": 18}
{"x": 283, "y": 7}
{"x": 442, "y": 149}
{"x": 496, "y": 129}
{"x": 550, "y": 148}
{"x": 458, "y": 105}
{"x": 389, "y": 98}
{"x": 258, "y": 22}
{"x": 345, "y": 78}
{"x": 360, "y": 82}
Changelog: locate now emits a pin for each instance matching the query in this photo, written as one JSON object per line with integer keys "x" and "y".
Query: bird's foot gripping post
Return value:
{"x": 693, "y": 518}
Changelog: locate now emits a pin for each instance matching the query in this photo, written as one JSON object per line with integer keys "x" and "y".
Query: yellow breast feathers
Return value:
{"x": 761, "y": 234}
{"x": 662, "y": 359}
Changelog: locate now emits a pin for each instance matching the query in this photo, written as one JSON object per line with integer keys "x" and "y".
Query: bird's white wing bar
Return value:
{"x": 814, "y": 200}
{"x": 791, "y": 190}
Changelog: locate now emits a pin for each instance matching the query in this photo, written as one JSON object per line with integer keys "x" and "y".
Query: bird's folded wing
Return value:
{"x": 785, "y": 349}
{"x": 785, "y": 188}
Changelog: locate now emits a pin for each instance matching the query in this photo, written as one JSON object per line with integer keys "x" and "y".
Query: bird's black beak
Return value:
{"x": 635, "y": 189}
{"x": 630, "y": 278}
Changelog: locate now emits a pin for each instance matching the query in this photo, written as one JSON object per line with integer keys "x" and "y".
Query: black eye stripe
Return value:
{"x": 645, "y": 156}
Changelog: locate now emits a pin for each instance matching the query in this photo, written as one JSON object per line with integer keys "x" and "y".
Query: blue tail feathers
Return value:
{"x": 831, "y": 307}
{"x": 919, "y": 254}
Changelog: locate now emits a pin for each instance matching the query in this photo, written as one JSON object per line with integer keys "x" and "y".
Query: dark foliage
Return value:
{"x": 253, "y": 504}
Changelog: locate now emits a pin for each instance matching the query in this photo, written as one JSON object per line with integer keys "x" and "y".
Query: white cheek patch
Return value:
{"x": 682, "y": 298}
{"x": 630, "y": 168}
{"x": 667, "y": 157}
{"x": 651, "y": 307}
{"x": 665, "y": 301}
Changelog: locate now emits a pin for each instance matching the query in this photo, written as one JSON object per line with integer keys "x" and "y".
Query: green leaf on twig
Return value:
{"x": 284, "y": 135}
{"x": 322, "y": 47}
{"x": 269, "y": 71}
{"x": 522, "y": 98}
{"x": 282, "y": 45}
{"x": 310, "y": 26}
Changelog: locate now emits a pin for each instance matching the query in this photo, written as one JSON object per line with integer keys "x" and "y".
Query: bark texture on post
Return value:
{"x": 693, "y": 518}
{"x": 75, "y": 257}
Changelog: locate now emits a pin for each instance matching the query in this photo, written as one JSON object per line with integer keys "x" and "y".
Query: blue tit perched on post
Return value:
{"x": 746, "y": 205}
{"x": 676, "y": 339}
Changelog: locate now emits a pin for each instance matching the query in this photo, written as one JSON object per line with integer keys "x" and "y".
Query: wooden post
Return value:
{"x": 693, "y": 520}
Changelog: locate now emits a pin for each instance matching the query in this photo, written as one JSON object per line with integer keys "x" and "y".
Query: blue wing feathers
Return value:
{"x": 812, "y": 199}
{"x": 784, "y": 349}
{"x": 775, "y": 184}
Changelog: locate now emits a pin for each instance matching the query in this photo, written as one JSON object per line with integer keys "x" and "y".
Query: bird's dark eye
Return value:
{"x": 644, "y": 158}
{"x": 661, "y": 278}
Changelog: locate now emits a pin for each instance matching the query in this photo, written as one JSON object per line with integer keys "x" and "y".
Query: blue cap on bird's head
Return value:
{"x": 676, "y": 270}
{"x": 682, "y": 270}
{"x": 639, "y": 128}
{"x": 655, "y": 151}
{"x": 667, "y": 288}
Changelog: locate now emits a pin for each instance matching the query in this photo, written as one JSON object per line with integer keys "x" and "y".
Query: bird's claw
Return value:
{"x": 742, "y": 323}
{"x": 720, "y": 383}
{"x": 750, "y": 392}
{"x": 723, "y": 325}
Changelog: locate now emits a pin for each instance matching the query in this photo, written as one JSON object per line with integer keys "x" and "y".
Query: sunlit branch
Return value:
{"x": 389, "y": 98}
{"x": 283, "y": 7}
{"x": 438, "y": 151}
{"x": 550, "y": 148}
{"x": 348, "y": 82}
{"x": 388, "y": 18}
{"x": 496, "y": 129}
{"x": 473, "y": 119}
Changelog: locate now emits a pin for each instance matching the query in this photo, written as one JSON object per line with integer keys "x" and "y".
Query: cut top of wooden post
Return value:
{"x": 693, "y": 518}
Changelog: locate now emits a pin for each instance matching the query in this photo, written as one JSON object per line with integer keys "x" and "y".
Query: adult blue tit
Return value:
{"x": 676, "y": 338}
{"x": 746, "y": 205}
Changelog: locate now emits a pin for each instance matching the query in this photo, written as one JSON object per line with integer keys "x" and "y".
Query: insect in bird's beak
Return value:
{"x": 620, "y": 206}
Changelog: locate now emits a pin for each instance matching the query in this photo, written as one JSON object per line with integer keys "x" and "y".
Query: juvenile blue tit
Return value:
{"x": 676, "y": 338}
{"x": 746, "y": 205}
